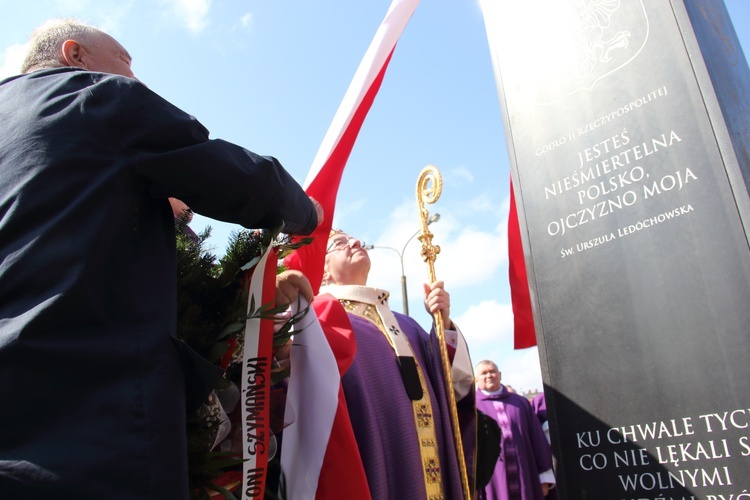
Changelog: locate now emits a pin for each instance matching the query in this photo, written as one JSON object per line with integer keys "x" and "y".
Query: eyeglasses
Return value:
{"x": 341, "y": 243}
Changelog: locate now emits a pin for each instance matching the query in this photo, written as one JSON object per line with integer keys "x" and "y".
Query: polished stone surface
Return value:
{"x": 628, "y": 136}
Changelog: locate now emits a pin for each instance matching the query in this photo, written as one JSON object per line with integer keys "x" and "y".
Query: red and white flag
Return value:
{"x": 323, "y": 180}
{"x": 524, "y": 334}
{"x": 315, "y": 457}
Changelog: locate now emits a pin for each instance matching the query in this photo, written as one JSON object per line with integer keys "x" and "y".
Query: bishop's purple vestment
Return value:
{"x": 524, "y": 452}
{"x": 382, "y": 417}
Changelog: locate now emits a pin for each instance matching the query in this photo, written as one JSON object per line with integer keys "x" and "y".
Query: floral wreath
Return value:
{"x": 212, "y": 309}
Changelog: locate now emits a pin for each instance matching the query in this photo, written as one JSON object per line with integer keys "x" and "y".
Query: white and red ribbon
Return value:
{"x": 256, "y": 380}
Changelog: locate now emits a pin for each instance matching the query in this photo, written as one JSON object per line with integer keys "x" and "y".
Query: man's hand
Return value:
{"x": 289, "y": 285}
{"x": 282, "y": 355}
{"x": 180, "y": 210}
{"x": 437, "y": 299}
{"x": 545, "y": 488}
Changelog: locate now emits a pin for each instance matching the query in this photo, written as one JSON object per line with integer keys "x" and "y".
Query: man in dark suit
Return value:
{"x": 92, "y": 378}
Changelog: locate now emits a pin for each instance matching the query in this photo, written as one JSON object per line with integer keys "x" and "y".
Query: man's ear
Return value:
{"x": 73, "y": 54}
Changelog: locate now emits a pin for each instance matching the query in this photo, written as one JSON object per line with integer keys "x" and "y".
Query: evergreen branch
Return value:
{"x": 288, "y": 247}
{"x": 212, "y": 314}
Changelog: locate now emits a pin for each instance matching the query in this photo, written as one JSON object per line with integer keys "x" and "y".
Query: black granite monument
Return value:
{"x": 628, "y": 128}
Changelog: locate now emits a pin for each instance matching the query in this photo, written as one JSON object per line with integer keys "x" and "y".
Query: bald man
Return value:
{"x": 93, "y": 383}
{"x": 523, "y": 470}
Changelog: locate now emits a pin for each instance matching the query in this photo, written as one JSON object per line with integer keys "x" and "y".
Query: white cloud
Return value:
{"x": 481, "y": 203}
{"x": 469, "y": 256}
{"x": 11, "y": 59}
{"x": 521, "y": 369}
{"x": 487, "y": 322}
{"x": 470, "y": 259}
{"x": 112, "y": 17}
{"x": 346, "y": 212}
{"x": 192, "y": 13}
{"x": 504, "y": 209}
{"x": 472, "y": 256}
{"x": 105, "y": 17}
{"x": 397, "y": 241}
{"x": 462, "y": 173}
{"x": 72, "y": 5}
{"x": 488, "y": 329}
{"x": 246, "y": 20}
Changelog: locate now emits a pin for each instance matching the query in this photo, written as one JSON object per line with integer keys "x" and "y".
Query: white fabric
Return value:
{"x": 313, "y": 396}
{"x": 382, "y": 45}
{"x": 225, "y": 426}
{"x": 547, "y": 476}
{"x": 379, "y": 299}
{"x": 492, "y": 393}
{"x": 251, "y": 350}
{"x": 462, "y": 370}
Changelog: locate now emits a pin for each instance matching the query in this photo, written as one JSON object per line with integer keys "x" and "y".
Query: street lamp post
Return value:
{"x": 433, "y": 218}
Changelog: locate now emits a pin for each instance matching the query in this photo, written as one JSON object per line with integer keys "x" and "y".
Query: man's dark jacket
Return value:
{"x": 92, "y": 380}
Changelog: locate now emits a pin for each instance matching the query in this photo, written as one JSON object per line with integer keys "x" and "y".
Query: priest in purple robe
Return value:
{"x": 393, "y": 384}
{"x": 524, "y": 468}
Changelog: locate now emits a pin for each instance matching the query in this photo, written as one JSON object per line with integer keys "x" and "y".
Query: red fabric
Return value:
{"x": 342, "y": 469}
{"x": 265, "y": 347}
{"x": 229, "y": 481}
{"x": 310, "y": 259}
{"x": 338, "y": 329}
{"x": 524, "y": 334}
{"x": 227, "y": 357}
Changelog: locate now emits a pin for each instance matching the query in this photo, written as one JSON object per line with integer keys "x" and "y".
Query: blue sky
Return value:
{"x": 269, "y": 75}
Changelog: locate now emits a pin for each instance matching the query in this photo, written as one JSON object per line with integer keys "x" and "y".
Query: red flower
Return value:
{"x": 229, "y": 481}
{"x": 227, "y": 357}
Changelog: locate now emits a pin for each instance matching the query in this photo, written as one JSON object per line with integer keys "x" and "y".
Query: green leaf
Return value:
{"x": 229, "y": 272}
{"x": 232, "y": 328}
{"x": 222, "y": 384}
{"x": 228, "y": 495}
{"x": 279, "y": 374}
{"x": 250, "y": 264}
{"x": 219, "y": 350}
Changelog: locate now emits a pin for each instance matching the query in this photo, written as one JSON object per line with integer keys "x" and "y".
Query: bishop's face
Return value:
{"x": 488, "y": 377}
{"x": 347, "y": 263}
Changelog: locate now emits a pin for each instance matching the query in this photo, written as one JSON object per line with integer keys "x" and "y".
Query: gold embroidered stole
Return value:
{"x": 372, "y": 305}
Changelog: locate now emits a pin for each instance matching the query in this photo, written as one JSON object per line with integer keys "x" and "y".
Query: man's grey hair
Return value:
{"x": 45, "y": 43}
{"x": 488, "y": 362}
